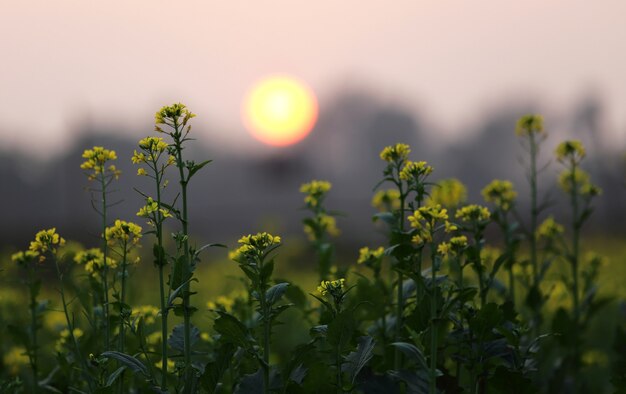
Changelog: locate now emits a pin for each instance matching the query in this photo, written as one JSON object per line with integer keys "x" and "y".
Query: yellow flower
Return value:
{"x": 570, "y": 180}
{"x": 148, "y": 312}
{"x": 448, "y": 193}
{"x": 549, "y": 228}
{"x": 570, "y": 150}
{"x": 501, "y": 193}
{"x": 123, "y": 231}
{"x": 315, "y": 192}
{"x": 222, "y": 303}
{"x": 473, "y": 213}
{"x": 415, "y": 170}
{"x": 386, "y": 200}
{"x": 368, "y": 255}
{"x": 15, "y": 359}
{"x": 529, "y": 124}
{"x": 23, "y": 258}
{"x": 45, "y": 241}
{"x": 171, "y": 365}
{"x": 454, "y": 247}
{"x": 138, "y": 157}
{"x": 141, "y": 171}
{"x": 253, "y": 245}
{"x": 65, "y": 338}
{"x": 332, "y": 287}
{"x": 97, "y": 157}
{"x": 326, "y": 223}
{"x": 171, "y": 113}
{"x": 395, "y": 152}
{"x": 153, "y": 144}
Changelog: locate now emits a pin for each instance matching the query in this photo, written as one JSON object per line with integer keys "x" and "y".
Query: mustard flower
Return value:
{"x": 23, "y": 258}
{"x": 123, "y": 231}
{"x": 15, "y": 358}
{"x": 96, "y": 159}
{"x": 386, "y": 200}
{"x": 573, "y": 179}
{"x": 367, "y": 255}
{"x": 221, "y": 303}
{"x": 153, "y": 144}
{"x": 454, "y": 247}
{"x": 395, "y": 153}
{"x": 501, "y": 193}
{"x": 65, "y": 337}
{"x": 529, "y": 124}
{"x": 473, "y": 213}
{"x": 448, "y": 193}
{"x": 93, "y": 259}
{"x": 332, "y": 287}
{"x": 549, "y": 229}
{"x": 151, "y": 207}
{"x": 415, "y": 170}
{"x": 148, "y": 312}
{"x": 315, "y": 192}
{"x": 253, "y": 246}
{"x": 326, "y": 223}
{"x": 570, "y": 151}
{"x": 45, "y": 241}
{"x": 170, "y": 113}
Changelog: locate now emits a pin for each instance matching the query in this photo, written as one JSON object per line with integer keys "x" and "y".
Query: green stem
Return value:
{"x": 534, "y": 214}
{"x": 400, "y": 297}
{"x": 266, "y": 342}
{"x": 105, "y": 252}
{"x": 122, "y": 333}
{"x": 433, "y": 320}
{"x": 186, "y": 269}
{"x": 161, "y": 264}
{"x": 70, "y": 328}
{"x": 575, "y": 261}
{"x": 33, "y": 331}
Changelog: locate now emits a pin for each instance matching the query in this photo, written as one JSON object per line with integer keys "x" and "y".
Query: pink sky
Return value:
{"x": 66, "y": 62}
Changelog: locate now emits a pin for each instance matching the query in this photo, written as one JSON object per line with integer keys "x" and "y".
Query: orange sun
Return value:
{"x": 280, "y": 110}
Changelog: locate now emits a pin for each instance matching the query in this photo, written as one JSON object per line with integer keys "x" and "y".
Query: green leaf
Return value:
{"x": 251, "y": 384}
{"x": 355, "y": 361}
{"x": 196, "y": 167}
{"x": 274, "y": 293}
{"x": 412, "y": 352}
{"x": 214, "y": 370}
{"x": 176, "y": 339}
{"x": 111, "y": 379}
{"x": 341, "y": 329}
{"x": 232, "y": 330}
{"x": 416, "y": 382}
{"x": 128, "y": 360}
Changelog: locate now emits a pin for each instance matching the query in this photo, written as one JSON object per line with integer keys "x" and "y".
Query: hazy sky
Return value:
{"x": 67, "y": 62}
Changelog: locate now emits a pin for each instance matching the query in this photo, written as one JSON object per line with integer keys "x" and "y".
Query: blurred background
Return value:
{"x": 449, "y": 78}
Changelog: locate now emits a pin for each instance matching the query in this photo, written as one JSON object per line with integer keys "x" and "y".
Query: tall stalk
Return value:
{"x": 105, "y": 269}
{"x": 433, "y": 319}
{"x": 32, "y": 354}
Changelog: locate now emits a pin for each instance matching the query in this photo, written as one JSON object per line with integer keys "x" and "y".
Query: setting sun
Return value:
{"x": 280, "y": 110}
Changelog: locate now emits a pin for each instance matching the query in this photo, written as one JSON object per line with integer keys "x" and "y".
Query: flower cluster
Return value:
{"x": 332, "y": 287}
{"x": 367, "y": 255}
{"x": 386, "y": 200}
{"x": 64, "y": 338}
{"x": 501, "y": 193}
{"x": 395, "y": 153}
{"x": 171, "y": 114}
{"x": 473, "y": 214}
{"x": 324, "y": 223}
{"x": 15, "y": 358}
{"x": 124, "y": 232}
{"x": 222, "y": 303}
{"x": 549, "y": 229}
{"x": 253, "y": 246}
{"x": 454, "y": 247}
{"x": 152, "y": 148}
{"x": 448, "y": 193}
{"x": 315, "y": 192}
{"x": 151, "y": 207}
{"x": 425, "y": 219}
{"x": 23, "y": 258}
{"x": 148, "y": 312}
{"x": 45, "y": 241}
{"x": 578, "y": 180}
{"x": 97, "y": 157}
{"x": 570, "y": 151}
{"x": 415, "y": 170}
{"x": 529, "y": 124}
{"x": 93, "y": 260}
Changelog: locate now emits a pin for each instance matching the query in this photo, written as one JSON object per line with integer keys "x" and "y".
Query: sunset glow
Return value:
{"x": 280, "y": 111}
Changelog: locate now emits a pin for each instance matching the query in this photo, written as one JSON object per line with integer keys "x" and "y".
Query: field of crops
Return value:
{"x": 465, "y": 297}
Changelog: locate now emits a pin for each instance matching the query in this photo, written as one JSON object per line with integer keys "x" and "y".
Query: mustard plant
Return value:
{"x": 98, "y": 170}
